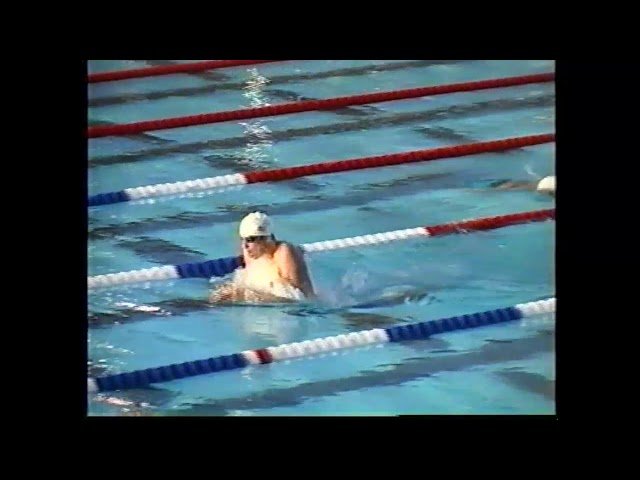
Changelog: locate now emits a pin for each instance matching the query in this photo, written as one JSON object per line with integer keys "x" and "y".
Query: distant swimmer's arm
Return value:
{"x": 513, "y": 185}
{"x": 293, "y": 269}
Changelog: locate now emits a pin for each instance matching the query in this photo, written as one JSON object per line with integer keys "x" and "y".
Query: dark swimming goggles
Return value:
{"x": 255, "y": 238}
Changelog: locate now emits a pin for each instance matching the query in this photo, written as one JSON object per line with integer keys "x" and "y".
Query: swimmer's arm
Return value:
{"x": 261, "y": 297}
{"x": 293, "y": 269}
{"x": 226, "y": 292}
{"x": 230, "y": 293}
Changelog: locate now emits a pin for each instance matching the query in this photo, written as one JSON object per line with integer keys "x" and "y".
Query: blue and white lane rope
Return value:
{"x": 218, "y": 267}
{"x": 222, "y": 266}
{"x": 412, "y": 331}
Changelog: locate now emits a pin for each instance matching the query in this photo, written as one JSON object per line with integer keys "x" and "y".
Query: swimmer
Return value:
{"x": 274, "y": 271}
{"x": 546, "y": 186}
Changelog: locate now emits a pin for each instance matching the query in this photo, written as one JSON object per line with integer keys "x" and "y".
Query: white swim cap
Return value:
{"x": 547, "y": 184}
{"x": 255, "y": 224}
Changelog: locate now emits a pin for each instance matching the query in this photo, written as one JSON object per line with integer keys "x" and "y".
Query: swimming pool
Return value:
{"x": 500, "y": 369}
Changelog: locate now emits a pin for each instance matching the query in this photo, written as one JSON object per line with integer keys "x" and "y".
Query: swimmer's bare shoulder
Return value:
{"x": 293, "y": 268}
{"x": 285, "y": 249}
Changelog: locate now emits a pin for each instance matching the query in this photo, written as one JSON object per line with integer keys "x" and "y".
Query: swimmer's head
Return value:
{"x": 547, "y": 185}
{"x": 254, "y": 225}
{"x": 256, "y": 234}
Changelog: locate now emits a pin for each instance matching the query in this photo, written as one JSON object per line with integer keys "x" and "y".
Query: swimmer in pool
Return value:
{"x": 274, "y": 271}
{"x": 546, "y": 186}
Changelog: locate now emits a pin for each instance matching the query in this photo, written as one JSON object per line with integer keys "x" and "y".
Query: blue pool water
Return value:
{"x": 501, "y": 369}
